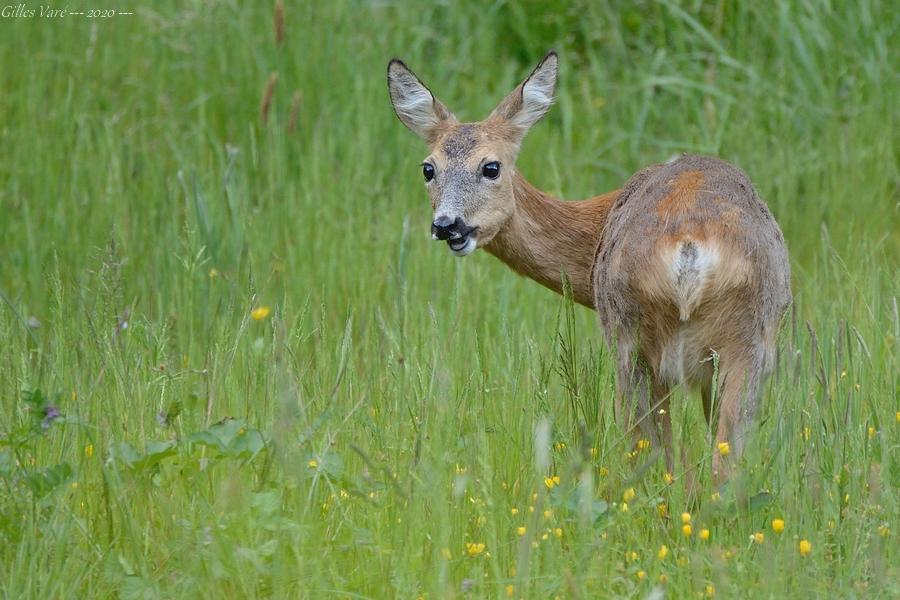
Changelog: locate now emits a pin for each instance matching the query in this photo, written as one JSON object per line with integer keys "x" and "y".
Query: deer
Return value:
{"x": 684, "y": 264}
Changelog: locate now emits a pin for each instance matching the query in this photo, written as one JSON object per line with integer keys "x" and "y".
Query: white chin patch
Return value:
{"x": 466, "y": 250}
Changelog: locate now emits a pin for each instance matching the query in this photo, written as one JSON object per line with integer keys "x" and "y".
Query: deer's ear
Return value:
{"x": 532, "y": 98}
{"x": 414, "y": 103}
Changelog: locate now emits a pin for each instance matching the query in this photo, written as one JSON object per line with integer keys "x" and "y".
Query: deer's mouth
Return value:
{"x": 462, "y": 245}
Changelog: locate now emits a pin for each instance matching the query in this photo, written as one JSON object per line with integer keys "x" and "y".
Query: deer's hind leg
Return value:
{"x": 642, "y": 400}
{"x": 742, "y": 373}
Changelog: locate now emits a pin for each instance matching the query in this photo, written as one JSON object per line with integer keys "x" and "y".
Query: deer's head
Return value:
{"x": 470, "y": 166}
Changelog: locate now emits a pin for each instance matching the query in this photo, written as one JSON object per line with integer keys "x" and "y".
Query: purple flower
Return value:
{"x": 51, "y": 413}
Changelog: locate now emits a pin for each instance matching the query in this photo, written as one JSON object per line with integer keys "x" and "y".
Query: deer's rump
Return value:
{"x": 690, "y": 260}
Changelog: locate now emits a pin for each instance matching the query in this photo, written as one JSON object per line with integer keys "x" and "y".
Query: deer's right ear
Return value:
{"x": 414, "y": 103}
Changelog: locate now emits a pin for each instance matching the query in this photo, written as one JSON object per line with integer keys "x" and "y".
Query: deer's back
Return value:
{"x": 690, "y": 241}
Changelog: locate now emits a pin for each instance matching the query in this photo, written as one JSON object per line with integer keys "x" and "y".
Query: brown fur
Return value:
{"x": 546, "y": 238}
{"x": 685, "y": 264}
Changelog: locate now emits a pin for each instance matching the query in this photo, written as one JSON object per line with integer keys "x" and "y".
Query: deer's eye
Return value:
{"x": 491, "y": 170}
{"x": 428, "y": 171}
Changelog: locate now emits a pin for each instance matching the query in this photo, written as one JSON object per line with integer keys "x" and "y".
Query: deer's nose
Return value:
{"x": 443, "y": 227}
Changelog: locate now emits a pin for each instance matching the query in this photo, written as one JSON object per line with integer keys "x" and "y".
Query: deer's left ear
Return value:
{"x": 414, "y": 103}
{"x": 532, "y": 98}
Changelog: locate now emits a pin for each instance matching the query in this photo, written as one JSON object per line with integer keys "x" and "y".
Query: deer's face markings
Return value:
{"x": 471, "y": 188}
{"x": 469, "y": 171}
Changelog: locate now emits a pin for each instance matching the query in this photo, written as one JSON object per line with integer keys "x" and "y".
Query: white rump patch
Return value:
{"x": 692, "y": 266}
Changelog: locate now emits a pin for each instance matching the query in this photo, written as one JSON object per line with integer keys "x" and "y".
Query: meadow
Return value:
{"x": 234, "y": 364}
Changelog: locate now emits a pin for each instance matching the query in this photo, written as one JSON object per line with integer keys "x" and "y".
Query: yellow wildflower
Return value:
{"x": 260, "y": 313}
{"x": 805, "y": 547}
{"x": 603, "y": 471}
{"x": 551, "y": 482}
{"x": 510, "y": 590}
{"x": 897, "y": 416}
{"x": 704, "y": 534}
{"x": 806, "y": 433}
{"x": 558, "y": 532}
{"x": 716, "y": 496}
{"x": 668, "y": 478}
{"x": 548, "y": 513}
{"x": 758, "y": 537}
{"x": 474, "y": 548}
{"x": 559, "y": 446}
{"x": 521, "y": 531}
{"x": 312, "y": 464}
{"x": 884, "y": 530}
{"x": 344, "y": 494}
{"x": 213, "y": 273}
{"x": 545, "y": 536}
{"x": 531, "y": 509}
{"x": 724, "y": 448}
{"x": 629, "y": 495}
{"x": 595, "y": 452}
{"x": 662, "y": 509}
{"x": 632, "y": 556}
{"x": 624, "y": 507}
{"x": 643, "y": 444}
{"x": 872, "y": 432}
{"x": 686, "y": 530}
{"x": 710, "y": 590}
{"x": 685, "y": 517}
{"x": 777, "y": 525}
{"x": 641, "y": 575}
{"x": 663, "y": 552}
{"x": 89, "y": 450}
{"x": 514, "y": 511}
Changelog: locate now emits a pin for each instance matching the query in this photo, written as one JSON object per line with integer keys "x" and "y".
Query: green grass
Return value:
{"x": 385, "y": 413}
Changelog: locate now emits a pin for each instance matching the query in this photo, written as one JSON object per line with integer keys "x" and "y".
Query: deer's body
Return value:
{"x": 685, "y": 265}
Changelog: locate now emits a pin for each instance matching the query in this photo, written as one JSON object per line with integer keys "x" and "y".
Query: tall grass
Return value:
{"x": 164, "y": 174}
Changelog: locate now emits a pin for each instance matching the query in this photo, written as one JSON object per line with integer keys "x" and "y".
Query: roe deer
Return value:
{"x": 684, "y": 263}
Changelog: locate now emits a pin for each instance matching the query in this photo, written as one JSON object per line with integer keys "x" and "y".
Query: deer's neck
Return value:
{"x": 546, "y": 238}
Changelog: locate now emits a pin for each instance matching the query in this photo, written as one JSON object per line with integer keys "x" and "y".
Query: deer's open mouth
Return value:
{"x": 462, "y": 244}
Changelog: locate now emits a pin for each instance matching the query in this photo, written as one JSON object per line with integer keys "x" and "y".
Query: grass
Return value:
{"x": 399, "y": 415}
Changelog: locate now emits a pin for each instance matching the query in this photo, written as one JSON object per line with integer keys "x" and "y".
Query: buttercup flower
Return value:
{"x": 260, "y": 313}
{"x": 805, "y": 547}
{"x": 724, "y": 448}
{"x": 777, "y": 525}
{"x": 474, "y": 548}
